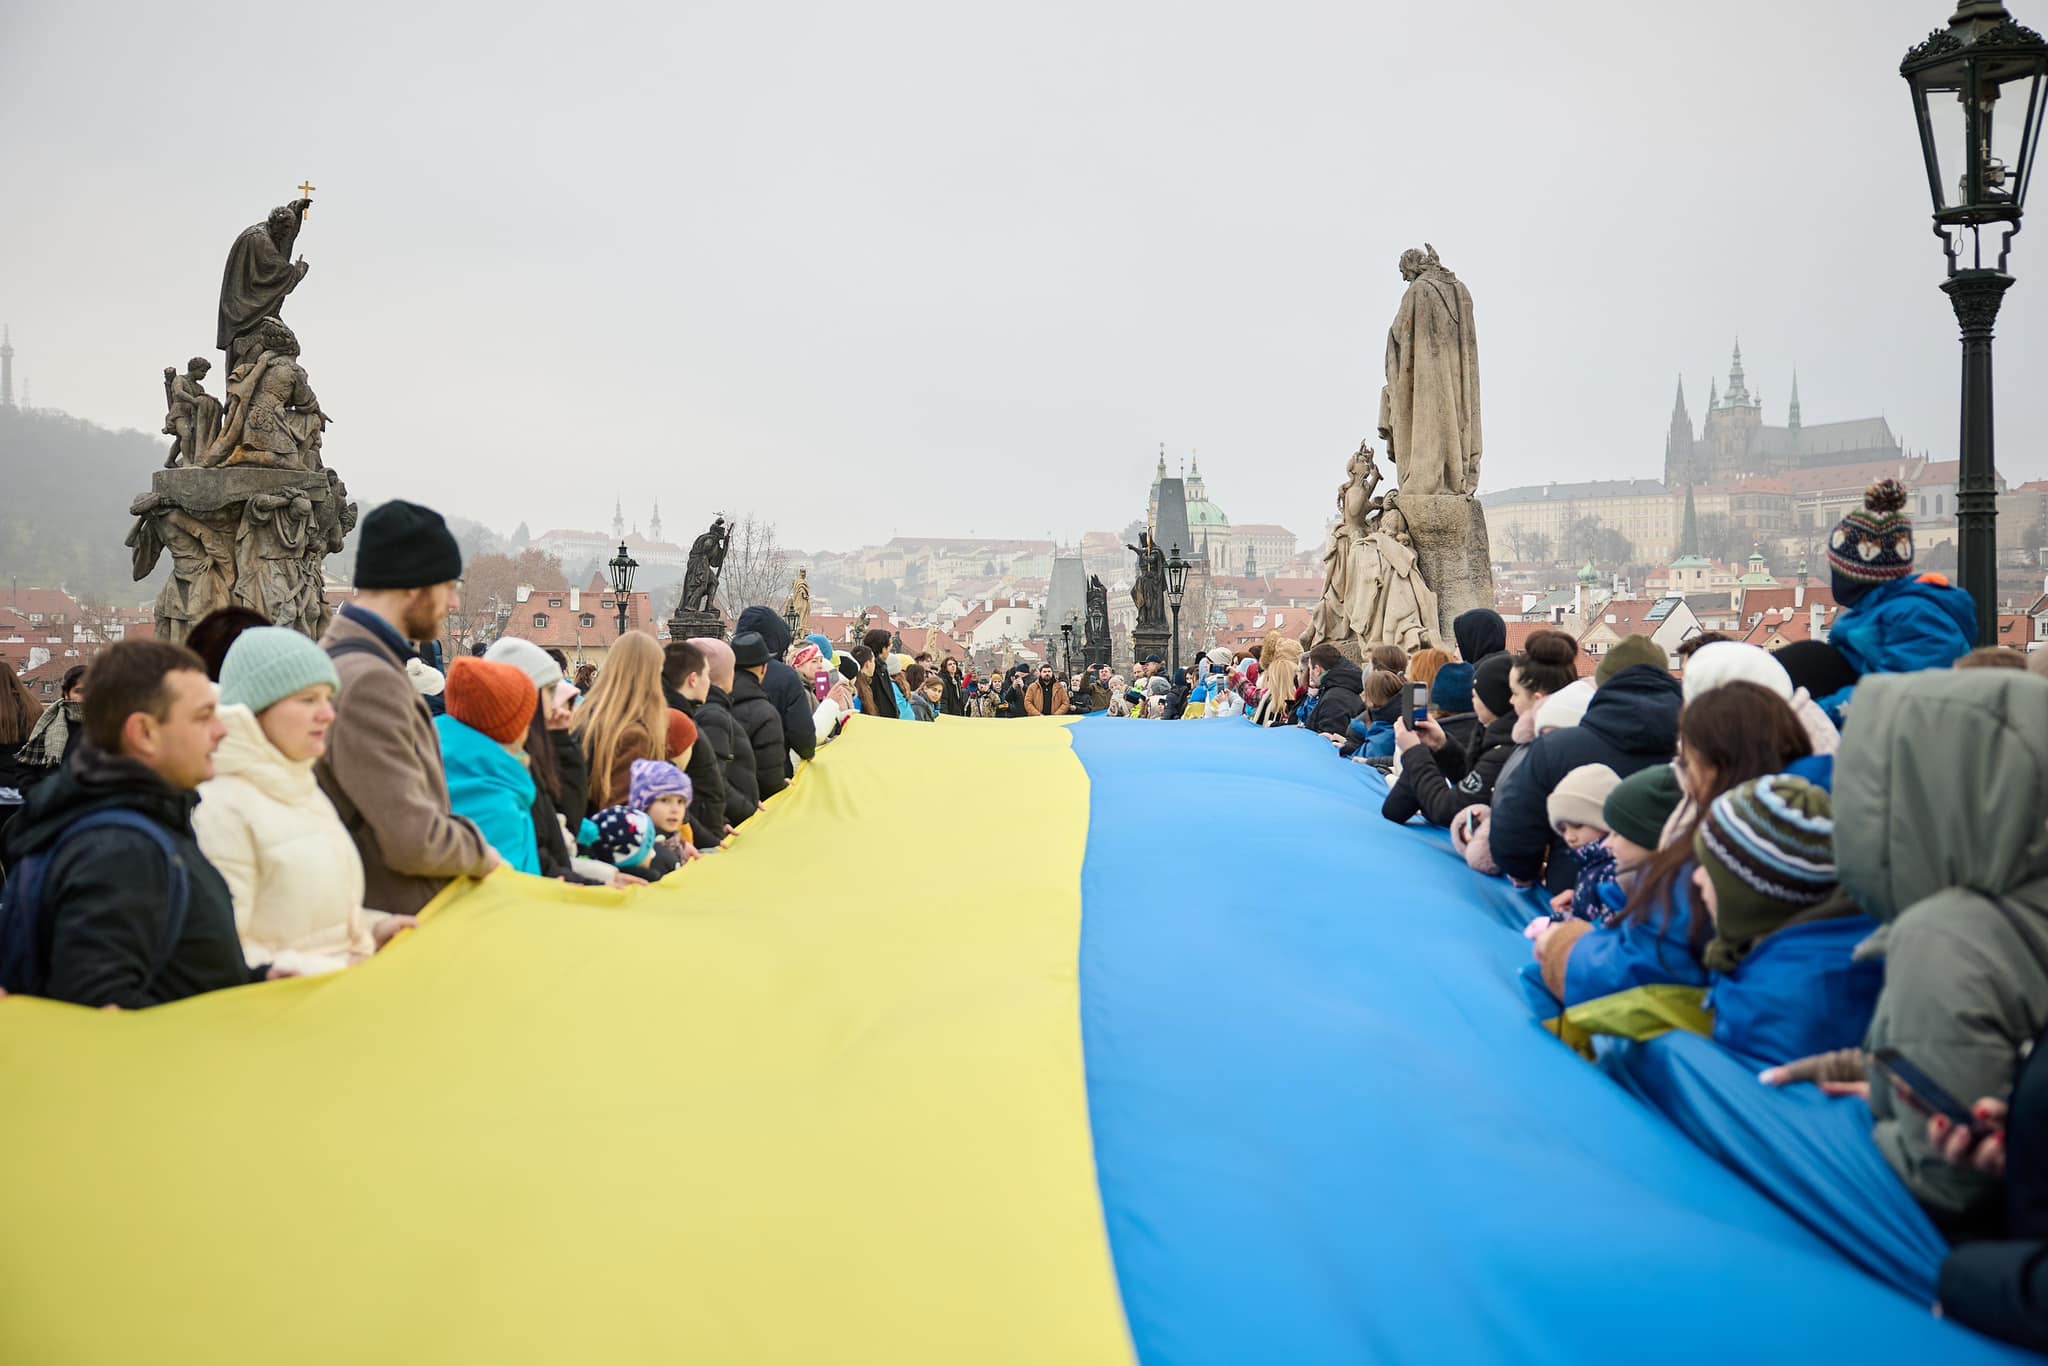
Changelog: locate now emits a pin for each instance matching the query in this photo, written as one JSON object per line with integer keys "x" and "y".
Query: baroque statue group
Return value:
{"x": 1403, "y": 563}
{"x": 245, "y": 505}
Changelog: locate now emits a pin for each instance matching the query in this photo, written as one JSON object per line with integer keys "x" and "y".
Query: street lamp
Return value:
{"x": 1067, "y": 645}
{"x": 1976, "y": 89}
{"x": 791, "y": 619}
{"x": 622, "y": 567}
{"x": 1176, "y": 590}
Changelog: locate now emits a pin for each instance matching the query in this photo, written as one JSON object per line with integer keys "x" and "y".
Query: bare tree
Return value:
{"x": 757, "y": 573}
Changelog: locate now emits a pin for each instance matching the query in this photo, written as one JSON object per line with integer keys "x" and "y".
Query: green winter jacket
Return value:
{"x": 1941, "y": 790}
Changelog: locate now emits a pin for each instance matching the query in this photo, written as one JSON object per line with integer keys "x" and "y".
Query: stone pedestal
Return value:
{"x": 1449, "y": 532}
{"x": 1147, "y": 643}
{"x": 241, "y": 536}
{"x": 689, "y": 625}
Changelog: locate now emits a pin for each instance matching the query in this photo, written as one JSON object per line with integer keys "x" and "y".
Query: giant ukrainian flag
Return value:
{"x": 1032, "y": 1043}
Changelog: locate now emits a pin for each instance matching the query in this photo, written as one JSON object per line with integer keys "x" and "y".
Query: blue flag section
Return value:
{"x": 1327, "y": 1127}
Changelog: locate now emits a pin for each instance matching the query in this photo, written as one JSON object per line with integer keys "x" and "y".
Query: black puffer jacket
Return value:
{"x": 1340, "y": 700}
{"x": 108, "y": 894}
{"x": 707, "y": 781}
{"x": 1631, "y": 723}
{"x": 718, "y": 730}
{"x": 794, "y": 702}
{"x": 761, "y": 723}
{"x": 1439, "y": 784}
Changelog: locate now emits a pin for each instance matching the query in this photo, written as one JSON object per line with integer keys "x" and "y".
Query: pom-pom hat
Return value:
{"x": 1873, "y": 544}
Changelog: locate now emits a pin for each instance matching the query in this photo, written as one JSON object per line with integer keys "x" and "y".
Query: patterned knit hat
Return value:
{"x": 653, "y": 780}
{"x": 496, "y": 699}
{"x": 1769, "y": 848}
{"x": 618, "y": 835}
{"x": 1873, "y": 544}
{"x": 267, "y": 664}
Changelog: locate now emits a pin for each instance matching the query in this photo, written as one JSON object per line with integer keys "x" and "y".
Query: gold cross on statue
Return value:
{"x": 306, "y": 188}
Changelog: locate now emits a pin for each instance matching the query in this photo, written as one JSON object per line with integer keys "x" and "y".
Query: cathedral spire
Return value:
{"x": 6, "y": 368}
{"x": 1792, "y": 422}
{"x": 1161, "y": 474}
{"x": 1689, "y": 530}
{"x": 1737, "y": 395}
{"x": 618, "y": 519}
{"x": 1678, "y": 413}
{"x": 1713, "y": 394}
{"x": 654, "y": 526}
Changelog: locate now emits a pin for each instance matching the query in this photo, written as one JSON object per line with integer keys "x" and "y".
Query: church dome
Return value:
{"x": 1589, "y": 574}
{"x": 1203, "y": 513}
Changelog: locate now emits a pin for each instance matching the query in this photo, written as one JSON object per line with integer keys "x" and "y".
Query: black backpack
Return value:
{"x": 25, "y": 916}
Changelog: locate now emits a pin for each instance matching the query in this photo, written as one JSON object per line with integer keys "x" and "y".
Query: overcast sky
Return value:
{"x": 927, "y": 268}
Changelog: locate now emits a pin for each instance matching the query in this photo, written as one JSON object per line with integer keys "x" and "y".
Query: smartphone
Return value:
{"x": 1418, "y": 704}
{"x": 1920, "y": 1091}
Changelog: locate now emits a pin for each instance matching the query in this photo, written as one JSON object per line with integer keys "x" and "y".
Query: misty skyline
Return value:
{"x": 924, "y": 271}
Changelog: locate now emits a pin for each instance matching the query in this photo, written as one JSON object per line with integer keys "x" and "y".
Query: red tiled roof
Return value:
{"x": 564, "y": 629}
{"x": 1774, "y": 599}
{"x": 1518, "y": 641}
{"x": 43, "y": 602}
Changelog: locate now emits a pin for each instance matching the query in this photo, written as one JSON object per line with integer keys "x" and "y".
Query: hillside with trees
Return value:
{"x": 64, "y": 514}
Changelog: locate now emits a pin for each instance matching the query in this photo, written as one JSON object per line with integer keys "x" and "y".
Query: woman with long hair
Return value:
{"x": 1735, "y": 734}
{"x": 625, "y": 718}
{"x": 1424, "y": 664}
{"x": 952, "y": 696}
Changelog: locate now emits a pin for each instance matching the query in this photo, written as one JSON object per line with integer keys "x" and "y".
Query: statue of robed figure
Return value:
{"x": 1148, "y": 589}
{"x": 1429, "y": 409}
{"x": 259, "y": 273}
{"x": 707, "y": 557}
{"x": 1373, "y": 592}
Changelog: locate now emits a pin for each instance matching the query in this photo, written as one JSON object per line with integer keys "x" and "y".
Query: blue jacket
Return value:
{"x": 1631, "y": 723}
{"x": 1798, "y": 993}
{"x": 491, "y": 788}
{"x": 1373, "y": 739}
{"x": 1636, "y": 954}
{"x": 1905, "y": 626}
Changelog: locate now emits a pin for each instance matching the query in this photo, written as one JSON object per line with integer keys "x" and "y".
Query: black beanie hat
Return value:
{"x": 1637, "y": 808}
{"x": 1490, "y": 682}
{"x": 403, "y": 545}
{"x": 1816, "y": 666}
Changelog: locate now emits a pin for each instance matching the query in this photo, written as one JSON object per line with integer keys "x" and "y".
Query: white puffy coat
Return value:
{"x": 295, "y": 875}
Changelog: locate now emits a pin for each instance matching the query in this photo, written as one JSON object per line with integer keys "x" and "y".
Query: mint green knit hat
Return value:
{"x": 267, "y": 664}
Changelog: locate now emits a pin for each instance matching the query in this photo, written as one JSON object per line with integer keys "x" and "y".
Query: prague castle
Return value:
{"x": 1735, "y": 443}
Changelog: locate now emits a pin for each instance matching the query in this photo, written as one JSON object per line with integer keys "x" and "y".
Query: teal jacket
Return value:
{"x": 490, "y": 787}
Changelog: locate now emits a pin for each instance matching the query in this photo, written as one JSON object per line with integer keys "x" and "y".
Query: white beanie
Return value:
{"x": 1565, "y": 706}
{"x": 1731, "y": 661}
{"x": 527, "y": 657}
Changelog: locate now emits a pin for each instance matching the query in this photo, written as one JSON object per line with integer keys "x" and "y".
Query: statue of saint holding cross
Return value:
{"x": 260, "y": 272}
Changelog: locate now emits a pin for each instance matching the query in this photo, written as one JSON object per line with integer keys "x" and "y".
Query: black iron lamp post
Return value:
{"x": 622, "y": 566}
{"x": 1067, "y": 648}
{"x": 1977, "y": 93}
{"x": 1176, "y": 591}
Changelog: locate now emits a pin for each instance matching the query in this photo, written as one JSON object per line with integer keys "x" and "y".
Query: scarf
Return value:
{"x": 44, "y": 747}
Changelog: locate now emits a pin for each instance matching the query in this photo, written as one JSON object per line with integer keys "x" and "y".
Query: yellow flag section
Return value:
{"x": 817, "y": 1098}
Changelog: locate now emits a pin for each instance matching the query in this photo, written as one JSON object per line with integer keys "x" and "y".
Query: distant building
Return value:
{"x": 1249, "y": 550}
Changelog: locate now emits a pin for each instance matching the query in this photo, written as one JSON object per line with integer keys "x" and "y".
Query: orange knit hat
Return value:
{"x": 497, "y": 699}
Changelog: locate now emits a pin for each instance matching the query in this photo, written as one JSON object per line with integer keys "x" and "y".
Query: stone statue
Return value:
{"x": 1148, "y": 589}
{"x": 202, "y": 553}
{"x": 245, "y": 505}
{"x": 798, "y": 608}
{"x": 707, "y": 557}
{"x": 192, "y": 416}
{"x": 1429, "y": 409}
{"x": 270, "y": 555}
{"x": 1095, "y": 632}
{"x": 274, "y": 419}
{"x": 259, "y": 273}
{"x": 1373, "y": 590}
{"x": 334, "y": 519}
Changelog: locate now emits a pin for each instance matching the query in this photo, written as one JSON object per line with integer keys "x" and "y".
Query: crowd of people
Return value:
{"x": 1841, "y": 847}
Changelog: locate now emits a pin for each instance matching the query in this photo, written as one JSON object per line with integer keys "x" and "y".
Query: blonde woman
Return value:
{"x": 624, "y": 718}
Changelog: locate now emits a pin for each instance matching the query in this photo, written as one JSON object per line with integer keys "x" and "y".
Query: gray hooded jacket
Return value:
{"x": 1941, "y": 815}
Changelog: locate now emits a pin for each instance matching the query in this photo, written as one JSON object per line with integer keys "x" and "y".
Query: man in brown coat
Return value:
{"x": 1046, "y": 696}
{"x": 383, "y": 768}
